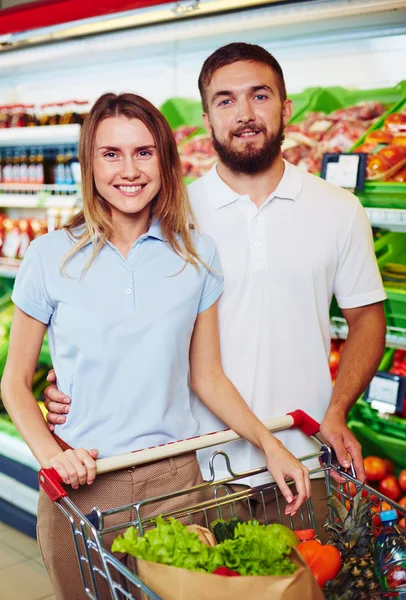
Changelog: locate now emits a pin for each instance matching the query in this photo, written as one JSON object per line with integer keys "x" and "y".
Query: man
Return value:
{"x": 287, "y": 241}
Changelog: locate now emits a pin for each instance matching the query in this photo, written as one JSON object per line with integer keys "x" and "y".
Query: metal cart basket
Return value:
{"x": 101, "y": 569}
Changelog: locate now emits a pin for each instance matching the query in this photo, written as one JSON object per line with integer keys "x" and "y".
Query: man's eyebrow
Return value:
{"x": 220, "y": 94}
{"x": 254, "y": 88}
{"x": 116, "y": 149}
{"x": 257, "y": 88}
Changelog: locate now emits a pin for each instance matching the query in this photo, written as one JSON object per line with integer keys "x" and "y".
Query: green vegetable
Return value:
{"x": 169, "y": 543}
{"x": 224, "y": 530}
{"x": 285, "y": 534}
{"x": 255, "y": 549}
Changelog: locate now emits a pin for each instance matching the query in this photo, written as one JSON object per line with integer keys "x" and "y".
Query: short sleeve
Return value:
{"x": 358, "y": 281}
{"x": 213, "y": 285}
{"x": 29, "y": 290}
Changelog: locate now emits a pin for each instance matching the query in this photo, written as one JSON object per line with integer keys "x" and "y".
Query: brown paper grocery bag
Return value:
{"x": 171, "y": 583}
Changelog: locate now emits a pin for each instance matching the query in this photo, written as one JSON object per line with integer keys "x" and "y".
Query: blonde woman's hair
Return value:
{"x": 171, "y": 205}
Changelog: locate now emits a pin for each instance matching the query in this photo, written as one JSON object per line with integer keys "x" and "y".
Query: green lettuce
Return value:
{"x": 255, "y": 549}
{"x": 169, "y": 543}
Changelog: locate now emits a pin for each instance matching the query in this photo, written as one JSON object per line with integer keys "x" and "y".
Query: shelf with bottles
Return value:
{"x": 17, "y": 234}
{"x": 53, "y": 168}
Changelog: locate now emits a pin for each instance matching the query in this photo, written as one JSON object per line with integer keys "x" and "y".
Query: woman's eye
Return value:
{"x": 110, "y": 155}
{"x": 144, "y": 154}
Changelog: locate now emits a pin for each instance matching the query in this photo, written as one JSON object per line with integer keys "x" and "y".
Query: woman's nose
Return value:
{"x": 130, "y": 169}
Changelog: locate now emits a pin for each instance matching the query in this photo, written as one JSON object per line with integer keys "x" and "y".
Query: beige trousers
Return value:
{"x": 111, "y": 490}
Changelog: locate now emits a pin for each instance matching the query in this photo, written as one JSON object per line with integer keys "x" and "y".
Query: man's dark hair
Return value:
{"x": 235, "y": 52}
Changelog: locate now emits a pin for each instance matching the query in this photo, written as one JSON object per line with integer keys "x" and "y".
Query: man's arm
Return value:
{"x": 360, "y": 358}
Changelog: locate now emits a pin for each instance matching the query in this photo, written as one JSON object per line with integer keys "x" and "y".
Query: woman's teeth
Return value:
{"x": 130, "y": 189}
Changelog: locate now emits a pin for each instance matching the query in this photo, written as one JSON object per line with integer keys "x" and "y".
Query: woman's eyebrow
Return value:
{"x": 116, "y": 149}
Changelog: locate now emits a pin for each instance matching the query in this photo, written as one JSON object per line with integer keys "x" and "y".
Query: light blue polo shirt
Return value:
{"x": 120, "y": 335}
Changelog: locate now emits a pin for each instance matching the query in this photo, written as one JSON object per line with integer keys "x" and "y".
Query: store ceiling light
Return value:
{"x": 153, "y": 15}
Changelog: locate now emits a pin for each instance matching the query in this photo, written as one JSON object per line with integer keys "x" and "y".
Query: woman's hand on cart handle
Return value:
{"x": 75, "y": 467}
{"x": 335, "y": 431}
{"x": 56, "y": 403}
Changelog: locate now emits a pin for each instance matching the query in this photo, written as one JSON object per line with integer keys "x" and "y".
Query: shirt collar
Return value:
{"x": 154, "y": 231}
{"x": 221, "y": 194}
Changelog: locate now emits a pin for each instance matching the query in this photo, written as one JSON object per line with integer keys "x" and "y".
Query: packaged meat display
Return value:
{"x": 306, "y": 142}
{"x": 197, "y": 155}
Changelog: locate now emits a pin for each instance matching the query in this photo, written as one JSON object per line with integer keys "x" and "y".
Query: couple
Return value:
{"x": 130, "y": 293}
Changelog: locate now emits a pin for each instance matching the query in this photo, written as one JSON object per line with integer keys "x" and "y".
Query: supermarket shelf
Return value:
{"x": 9, "y": 267}
{"x": 42, "y": 199}
{"x": 37, "y": 187}
{"x": 387, "y": 218}
{"x": 39, "y": 136}
{"x": 395, "y": 337}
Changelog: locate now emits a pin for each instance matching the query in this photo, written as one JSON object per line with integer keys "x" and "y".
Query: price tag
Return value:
{"x": 42, "y": 198}
{"x": 344, "y": 170}
{"x": 386, "y": 392}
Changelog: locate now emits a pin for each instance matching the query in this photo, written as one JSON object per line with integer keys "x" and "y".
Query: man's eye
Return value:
{"x": 225, "y": 102}
{"x": 261, "y": 97}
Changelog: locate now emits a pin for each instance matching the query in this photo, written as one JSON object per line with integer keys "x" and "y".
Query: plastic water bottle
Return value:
{"x": 390, "y": 557}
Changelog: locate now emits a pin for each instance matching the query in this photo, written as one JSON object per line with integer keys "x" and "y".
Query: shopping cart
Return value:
{"x": 99, "y": 568}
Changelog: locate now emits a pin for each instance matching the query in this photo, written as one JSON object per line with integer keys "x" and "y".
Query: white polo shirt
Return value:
{"x": 282, "y": 263}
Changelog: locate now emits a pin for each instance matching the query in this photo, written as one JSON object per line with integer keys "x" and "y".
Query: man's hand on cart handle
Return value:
{"x": 56, "y": 403}
{"x": 335, "y": 431}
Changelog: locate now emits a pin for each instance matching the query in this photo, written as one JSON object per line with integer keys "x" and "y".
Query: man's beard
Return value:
{"x": 251, "y": 160}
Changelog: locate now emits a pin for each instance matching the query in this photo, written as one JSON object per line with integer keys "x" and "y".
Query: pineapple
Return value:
{"x": 351, "y": 534}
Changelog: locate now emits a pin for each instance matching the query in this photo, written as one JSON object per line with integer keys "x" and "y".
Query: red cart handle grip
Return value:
{"x": 304, "y": 422}
{"x": 50, "y": 481}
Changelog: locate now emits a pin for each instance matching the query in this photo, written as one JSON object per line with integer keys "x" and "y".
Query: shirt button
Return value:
{"x": 257, "y": 244}
{"x": 128, "y": 291}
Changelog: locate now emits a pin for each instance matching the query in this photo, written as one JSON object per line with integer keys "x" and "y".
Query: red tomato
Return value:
{"x": 402, "y": 503}
{"x": 402, "y": 480}
{"x": 390, "y": 469}
{"x": 375, "y": 468}
{"x": 402, "y": 523}
{"x": 334, "y": 359}
{"x": 324, "y": 561}
{"x": 389, "y": 487}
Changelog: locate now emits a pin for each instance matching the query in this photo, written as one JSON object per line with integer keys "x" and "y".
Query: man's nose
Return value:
{"x": 245, "y": 112}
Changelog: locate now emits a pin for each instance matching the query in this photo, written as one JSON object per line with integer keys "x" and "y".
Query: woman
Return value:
{"x": 128, "y": 293}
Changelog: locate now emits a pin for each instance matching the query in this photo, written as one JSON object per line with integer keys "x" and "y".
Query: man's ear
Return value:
{"x": 207, "y": 124}
{"x": 287, "y": 111}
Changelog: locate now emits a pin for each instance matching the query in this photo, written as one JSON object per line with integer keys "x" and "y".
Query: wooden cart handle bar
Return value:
{"x": 50, "y": 481}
